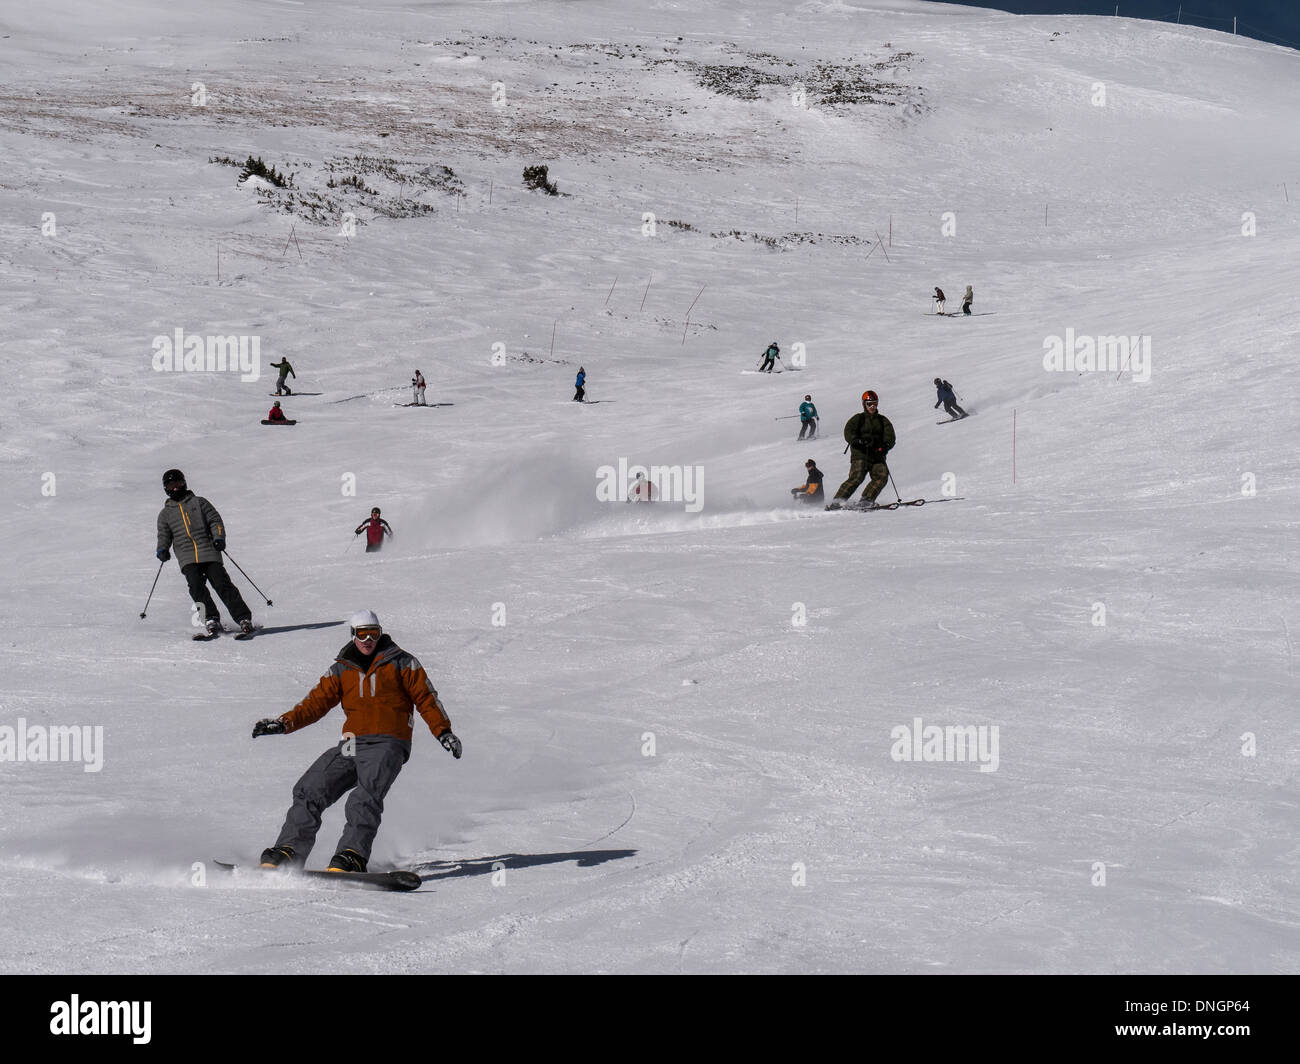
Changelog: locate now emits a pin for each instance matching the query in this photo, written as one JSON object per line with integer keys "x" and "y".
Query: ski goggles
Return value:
{"x": 366, "y": 634}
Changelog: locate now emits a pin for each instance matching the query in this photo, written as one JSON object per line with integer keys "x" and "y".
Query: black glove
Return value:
{"x": 268, "y": 726}
{"x": 162, "y": 554}
{"x": 936, "y": 405}
{"x": 795, "y": 491}
{"x": 219, "y": 543}
{"x": 450, "y": 743}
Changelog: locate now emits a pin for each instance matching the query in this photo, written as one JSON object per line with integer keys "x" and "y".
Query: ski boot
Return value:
{"x": 347, "y": 861}
{"x": 275, "y": 856}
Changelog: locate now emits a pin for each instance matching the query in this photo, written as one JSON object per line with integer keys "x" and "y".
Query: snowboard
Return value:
{"x": 274, "y": 395}
{"x": 285, "y": 422}
{"x": 398, "y": 879}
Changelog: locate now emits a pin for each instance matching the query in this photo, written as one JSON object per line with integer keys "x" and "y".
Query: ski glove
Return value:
{"x": 450, "y": 743}
{"x": 163, "y": 554}
{"x": 268, "y": 726}
{"x": 218, "y": 543}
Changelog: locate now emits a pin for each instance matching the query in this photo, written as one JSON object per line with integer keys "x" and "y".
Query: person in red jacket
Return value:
{"x": 381, "y": 687}
{"x": 276, "y": 414}
{"x": 375, "y": 529}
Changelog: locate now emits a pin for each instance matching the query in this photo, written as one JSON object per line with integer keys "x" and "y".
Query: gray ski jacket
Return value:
{"x": 190, "y": 526}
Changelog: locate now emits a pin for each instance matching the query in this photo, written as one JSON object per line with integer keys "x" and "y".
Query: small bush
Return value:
{"x": 535, "y": 177}
{"x": 257, "y": 168}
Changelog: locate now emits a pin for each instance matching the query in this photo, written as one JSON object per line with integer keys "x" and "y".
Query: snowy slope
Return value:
{"x": 672, "y": 774}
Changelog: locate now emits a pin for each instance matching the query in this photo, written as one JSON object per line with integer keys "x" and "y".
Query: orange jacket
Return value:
{"x": 379, "y": 692}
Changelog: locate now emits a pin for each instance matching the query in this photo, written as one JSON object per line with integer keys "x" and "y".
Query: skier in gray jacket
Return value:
{"x": 193, "y": 526}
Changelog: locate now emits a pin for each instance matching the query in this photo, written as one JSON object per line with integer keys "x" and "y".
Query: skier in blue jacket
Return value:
{"x": 949, "y": 399}
{"x": 807, "y": 418}
{"x": 582, "y": 378}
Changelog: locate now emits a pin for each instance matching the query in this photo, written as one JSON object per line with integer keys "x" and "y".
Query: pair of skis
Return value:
{"x": 207, "y": 637}
{"x": 870, "y": 508}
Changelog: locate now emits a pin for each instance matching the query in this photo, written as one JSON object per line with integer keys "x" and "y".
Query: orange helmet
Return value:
{"x": 870, "y": 397}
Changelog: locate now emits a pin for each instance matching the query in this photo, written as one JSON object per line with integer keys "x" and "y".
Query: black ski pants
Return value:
{"x": 199, "y": 574}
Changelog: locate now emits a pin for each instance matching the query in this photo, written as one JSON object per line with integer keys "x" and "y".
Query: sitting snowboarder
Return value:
{"x": 812, "y": 490}
{"x": 276, "y": 414}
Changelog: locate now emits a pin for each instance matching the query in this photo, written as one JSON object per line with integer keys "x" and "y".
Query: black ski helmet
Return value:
{"x": 374, "y": 510}
{"x": 173, "y": 476}
{"x": 937, "y": 380}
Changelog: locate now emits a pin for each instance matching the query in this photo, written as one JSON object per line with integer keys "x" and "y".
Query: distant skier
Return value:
{"x": 769, "y": 358}
{"x": 375, "y": 528}
{"x": 812, "y": 490}
{"x": 579, "y": 395}
{"x": 642, "y": 490}
{"x": 193, "y": 525}
{"x": 417, "y": 389}
{"x": 949, "y": 399}
{"x": 870, "y": 436}
{"x": 286, "y": 371}
{"x": 807, "y": 418}
{"x": 967, "y": 299}
{"x": 939, "y": 300}
{"x": 380, "y": 687}
{"x": 276, "y": 414}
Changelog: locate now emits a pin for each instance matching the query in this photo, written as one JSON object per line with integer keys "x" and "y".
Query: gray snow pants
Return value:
{"x": 367, "y": 774}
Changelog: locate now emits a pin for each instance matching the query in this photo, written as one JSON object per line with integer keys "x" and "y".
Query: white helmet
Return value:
{"x": 364, "y": 619}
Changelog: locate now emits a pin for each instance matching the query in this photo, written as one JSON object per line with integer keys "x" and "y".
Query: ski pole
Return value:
{"x": 787, "y": 417}
{"x": 155, "y": 584}
{"x": 248, "y": 578}
{"x": 893, "y": 485}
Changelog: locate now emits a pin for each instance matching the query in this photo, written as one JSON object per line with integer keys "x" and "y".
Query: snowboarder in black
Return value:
{"x": 949, "y": 399}
{"x": 811, "y": 490}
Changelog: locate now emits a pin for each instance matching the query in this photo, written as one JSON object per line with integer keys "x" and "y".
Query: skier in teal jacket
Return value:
{"x": 807, "y": 418}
